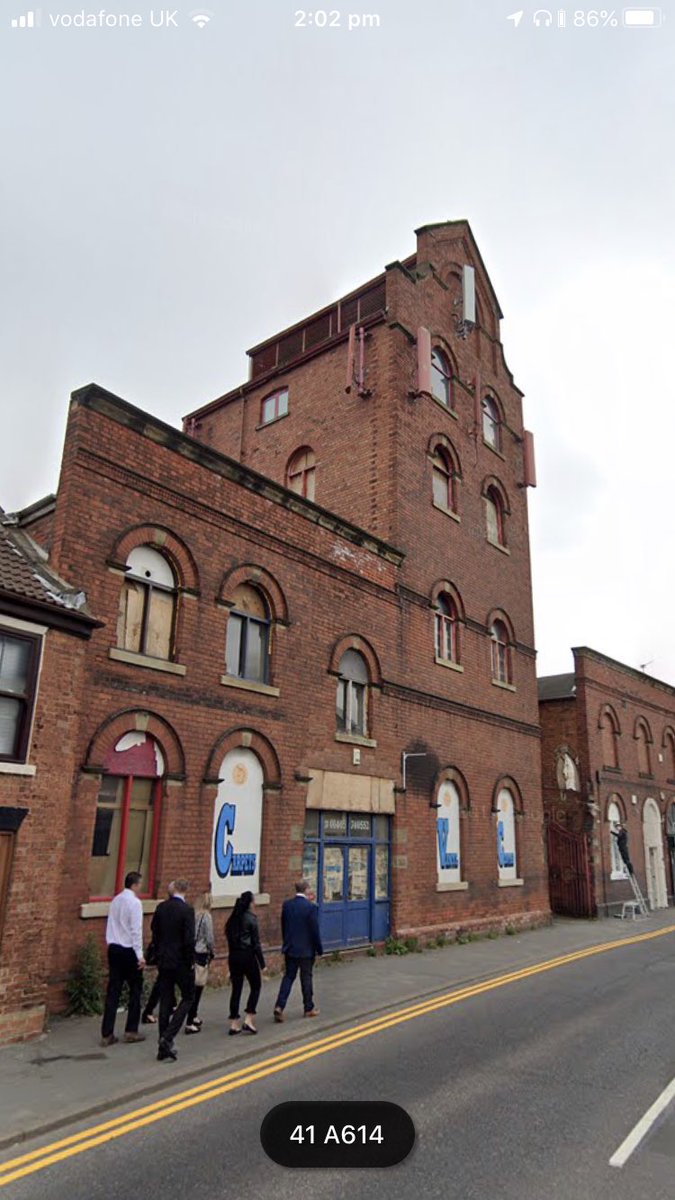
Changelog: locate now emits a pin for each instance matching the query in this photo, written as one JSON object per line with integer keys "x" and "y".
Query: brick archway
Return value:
{"x": 165, "y": 542}
{"x": 136, "y": 720}
{"x": 246, "y": 739}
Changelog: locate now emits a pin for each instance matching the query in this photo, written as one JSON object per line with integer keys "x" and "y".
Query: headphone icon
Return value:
{"x": 543, "y": 17}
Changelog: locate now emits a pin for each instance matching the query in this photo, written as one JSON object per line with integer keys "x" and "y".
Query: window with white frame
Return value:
{"x": 352, "y": 695}
{"x": 491, "y": 423}
{"x": 441, "y": 378}
{"x": 448, "y": 837}
{"x": 619, "y": 870}
{"x": 147, "y": 611}
{"x": 274, "y": 406}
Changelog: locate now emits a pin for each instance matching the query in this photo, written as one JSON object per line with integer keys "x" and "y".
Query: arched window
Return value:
{"x": 492, "y": 423}
{"x": 501, "y": 652}
{"x": 448, "y": 835}
{"x": 147, "y": 611}
{"x": 506, "y": 836}
{"x": 447, "y": 629}
{"x": 643, "y": 738}
{"x": 444, "y": 479}
{"x": 441, "y": 378}
{"x": 352, "y": 695}
{"x": 301, "y": 472}
{"x": 614, "y": 820}
{"x": 495, "y": 517}
{"x": 608, "y": 735}
{"x": 128, "y": 810}
{"x": 669, "y": 753}
{"x": 248, "y": 635}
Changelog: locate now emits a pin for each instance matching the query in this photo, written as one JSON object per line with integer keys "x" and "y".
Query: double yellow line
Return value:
{"x": 97, "y": 1135}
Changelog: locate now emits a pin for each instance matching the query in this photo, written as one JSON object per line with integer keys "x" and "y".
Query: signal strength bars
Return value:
{"x": 27, "y": 21}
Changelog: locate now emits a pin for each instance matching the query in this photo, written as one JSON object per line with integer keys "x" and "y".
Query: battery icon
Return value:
{"x": 641, "y": 18}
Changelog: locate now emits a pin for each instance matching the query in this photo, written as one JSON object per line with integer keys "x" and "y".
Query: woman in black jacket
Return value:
{"x": 245, "y": 960}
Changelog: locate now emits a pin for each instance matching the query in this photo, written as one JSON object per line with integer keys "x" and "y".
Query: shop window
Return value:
{"x": 506, "y": 836}
{"x": 147, "y": 611}
{"x": 447, "y": 629}
{"x": 501, "y": 652}
{"x": 441, "y": 378}
{"x": 301, "y": 472}
{"x": 352, "y": 695}
{"x": 19, "y": 660}
{"x": 248, "y": 635}
{"x": 448, "y": 848}
{"x": 128, "y": 811}
{"x": 274, "y": 406}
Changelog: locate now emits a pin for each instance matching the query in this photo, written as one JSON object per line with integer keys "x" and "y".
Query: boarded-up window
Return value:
{"x": 494, "y": 517}
{"x": 301, "y": 472}
{"x": 125, "y": 834}
{"x": 6, "y": 854}
{"x": 644, "y": 759}
{"x": 147, "y": 605}
{"x": 608, "y": 733}
{"x": 501, "y": 652}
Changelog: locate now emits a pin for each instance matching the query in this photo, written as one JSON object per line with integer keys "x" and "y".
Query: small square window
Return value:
{"x": 274, "y": 406}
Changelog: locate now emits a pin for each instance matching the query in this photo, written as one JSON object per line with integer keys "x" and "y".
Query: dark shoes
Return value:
{"x": 111, "y": 1040}
{"x": 134, "y": 1037}
{"x": 246, "y": 1028}
{"x": 279, "y": 1015}
{"x": 166, "y": 1050}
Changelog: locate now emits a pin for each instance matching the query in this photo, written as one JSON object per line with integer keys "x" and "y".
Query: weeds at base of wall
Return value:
{"x": 85, "y": 986}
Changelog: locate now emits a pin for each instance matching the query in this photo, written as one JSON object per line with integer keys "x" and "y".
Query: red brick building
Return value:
{"x": 608, "y": 756}
{"x": 44, "y": 628}
{"x": 316, "y": 644}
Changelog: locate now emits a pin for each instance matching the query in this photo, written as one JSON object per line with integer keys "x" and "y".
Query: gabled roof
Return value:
{"x": 557, "y": 687}
{"x": 27, "y": 579}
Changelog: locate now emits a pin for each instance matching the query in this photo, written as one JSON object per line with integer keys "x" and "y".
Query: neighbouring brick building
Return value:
{"x": 608, "y": 756}
{"x": 44, "y": 628}
{"x": 315, "y": 652}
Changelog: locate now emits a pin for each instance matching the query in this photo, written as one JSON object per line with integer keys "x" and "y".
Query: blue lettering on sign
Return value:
{"x": 447, "y": 858}
{"x": 227, "y": 862}
{"x": 506, "y": 857}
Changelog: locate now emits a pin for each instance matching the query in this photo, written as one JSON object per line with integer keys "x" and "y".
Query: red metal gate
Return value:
{"x": 569, "y": 873}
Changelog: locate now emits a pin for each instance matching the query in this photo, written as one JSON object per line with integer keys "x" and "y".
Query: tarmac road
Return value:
{"x": 523, "y": 1091}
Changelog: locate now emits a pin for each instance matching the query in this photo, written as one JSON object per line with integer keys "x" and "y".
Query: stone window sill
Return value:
{"x": 460, "y": 886}
{"x": 353, "y": 740}
{"x": 101, "y": 908}
{"x": 144, "y": 660}
{"x": 450, "y": 411}
{"x": 25, "y": 769}
{"x": 507, "y": 687}
{"x": 448, "y": 512}
{"x": 498, "y": 546}
{"x": 273, "y": 421}
{"x": 249, "y": 685}
{"x": 510, "y": 882}
{"x": 619, "y": 876}
{"x": 499, "y": 453}
{"x": 446, "y": 662}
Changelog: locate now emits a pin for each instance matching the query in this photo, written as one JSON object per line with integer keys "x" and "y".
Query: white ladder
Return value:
{"x": 638, "y": 903}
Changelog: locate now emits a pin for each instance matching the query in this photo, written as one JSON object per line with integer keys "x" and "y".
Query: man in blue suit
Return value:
{"x": 301, "y": 944}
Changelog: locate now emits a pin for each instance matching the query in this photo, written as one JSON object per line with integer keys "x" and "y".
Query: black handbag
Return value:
{"x": 150, "y": 955}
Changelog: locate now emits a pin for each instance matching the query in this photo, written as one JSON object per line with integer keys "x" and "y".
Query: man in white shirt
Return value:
{"x": 124, "y": 935}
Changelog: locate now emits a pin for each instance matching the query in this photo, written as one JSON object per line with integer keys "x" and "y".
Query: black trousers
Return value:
{"x": 194, "y": 1007}
{"x": 305, "y": 966}
{"x": 244, "y": 966}
{"x": 122, "y": 968}
{"x": 182, "y": 978}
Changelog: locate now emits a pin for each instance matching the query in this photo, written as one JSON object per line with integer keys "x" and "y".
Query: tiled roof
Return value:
{"x": 557, "y": 687}
{"x": 25, "y": 574}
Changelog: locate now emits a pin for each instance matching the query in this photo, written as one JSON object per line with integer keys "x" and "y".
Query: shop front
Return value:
{"x": 347, "y": 856}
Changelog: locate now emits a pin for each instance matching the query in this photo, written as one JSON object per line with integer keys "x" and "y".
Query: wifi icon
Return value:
{"x": 202, "y": 17}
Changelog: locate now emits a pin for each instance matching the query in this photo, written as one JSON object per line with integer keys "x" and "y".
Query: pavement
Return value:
{"x": 66, "y": 1076}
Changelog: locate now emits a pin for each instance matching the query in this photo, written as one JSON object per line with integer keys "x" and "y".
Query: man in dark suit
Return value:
{"x": 173, "y": 936}
{"x": 301, "y": 944}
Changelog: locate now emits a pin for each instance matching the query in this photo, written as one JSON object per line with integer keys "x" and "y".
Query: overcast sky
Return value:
{"x": 171, "y": 196}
